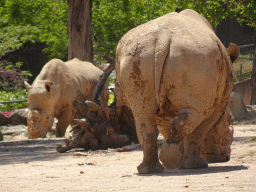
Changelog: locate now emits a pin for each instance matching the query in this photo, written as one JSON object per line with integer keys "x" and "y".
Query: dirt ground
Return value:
{"x": 34, "y": 165}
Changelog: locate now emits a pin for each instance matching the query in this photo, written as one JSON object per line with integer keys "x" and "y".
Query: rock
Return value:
{"x": 14, "y": 130}
{"x": 19, "y": 117}
{"x": 1, "y": 136}
{"x": 170, "y": 156}
{"x": 128, "y": 148}
{"x": 4, "y": 120}
{"x": 236, "y": 106}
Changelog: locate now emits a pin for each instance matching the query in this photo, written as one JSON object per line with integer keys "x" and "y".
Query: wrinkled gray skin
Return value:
{"x": 174, "y": 66}
{"x": 54, "y": 89}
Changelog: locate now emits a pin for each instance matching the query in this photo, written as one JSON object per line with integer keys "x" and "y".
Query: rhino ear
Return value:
{"x": 48, "y": 86}
{"x": 233, "y": 51}
{"x": 28, "y": 87}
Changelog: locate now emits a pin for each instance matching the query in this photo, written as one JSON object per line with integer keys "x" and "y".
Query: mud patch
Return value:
{"x": 135, "y": 77}
{"x": 136, "y": 50}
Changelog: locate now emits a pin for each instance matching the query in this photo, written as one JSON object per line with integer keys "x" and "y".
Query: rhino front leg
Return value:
{"x": 64, "y": 119}
{"x": 147, "y": 135}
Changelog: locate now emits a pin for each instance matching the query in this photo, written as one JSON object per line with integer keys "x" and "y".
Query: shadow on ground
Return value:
{"x": 29, "y": 150}
{"x": 209, "y": 170}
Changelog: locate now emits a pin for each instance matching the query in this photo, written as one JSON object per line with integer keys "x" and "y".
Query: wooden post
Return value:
{"x": 79, "y": 29}
{"x": 241, "y": 72}
{"x": 253, "y": 100}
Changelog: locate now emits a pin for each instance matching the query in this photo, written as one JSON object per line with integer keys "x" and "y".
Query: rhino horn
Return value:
{"x": 28, "y": 87}
{"x": 35, "y": 114}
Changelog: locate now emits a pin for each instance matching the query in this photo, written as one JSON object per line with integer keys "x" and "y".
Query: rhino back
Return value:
{"x": 81, "y": 75}
{"x": 69, "y": 77}
{"x": 50, "y": 71}
{"x": 182, "y": 53}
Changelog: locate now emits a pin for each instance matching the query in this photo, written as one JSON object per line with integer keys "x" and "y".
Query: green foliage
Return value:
{"x": 11, "y": 77}
{"x": 252, "y": 140}
{"x": 112, "y": 19}
{"x": 217, "y": 10}
{"x": 35, "y": 21}
{"x": 46, "y": 20}
{"x": 111, "y": 98}
{"x": 111, "y": 79}
{"x": 19, "y": 94}
{"x": 12, "y": 37}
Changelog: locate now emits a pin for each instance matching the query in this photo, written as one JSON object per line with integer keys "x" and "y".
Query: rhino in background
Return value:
{"x": 54, "y": 89}
{"x": 174, "y": 70}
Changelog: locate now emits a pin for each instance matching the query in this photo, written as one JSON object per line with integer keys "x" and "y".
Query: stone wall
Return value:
{"x": 244, "y": 89}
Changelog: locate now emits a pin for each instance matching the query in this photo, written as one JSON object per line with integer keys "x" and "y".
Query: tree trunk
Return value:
{"x": 253, "y": 100}
{"x": 79, "y": 29}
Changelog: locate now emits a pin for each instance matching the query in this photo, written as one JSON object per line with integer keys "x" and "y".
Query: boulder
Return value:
{"x": 170, "y": 156}
{"x": 1, "y": 136}
{"x": 19, "y": 117}
{"x": 4, "y": 120}
{"x": 237, "y": 107}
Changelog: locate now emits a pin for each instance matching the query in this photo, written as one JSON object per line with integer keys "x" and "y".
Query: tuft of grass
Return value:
{"x": 246, "y": 63}
{"x": 252, "y": 140}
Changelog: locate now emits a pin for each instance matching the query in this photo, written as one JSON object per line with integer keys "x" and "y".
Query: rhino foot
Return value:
{"x": 193, "y": 163}
{"x": 213, "y": 158}
{"x": 144, "y": 168}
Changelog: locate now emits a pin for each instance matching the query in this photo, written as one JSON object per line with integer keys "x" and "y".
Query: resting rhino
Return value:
{"x": 176, "y": 67}
{"x": 54, "y": 89}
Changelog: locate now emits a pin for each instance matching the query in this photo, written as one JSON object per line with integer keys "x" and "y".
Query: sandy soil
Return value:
{"x": 34, "y": 165}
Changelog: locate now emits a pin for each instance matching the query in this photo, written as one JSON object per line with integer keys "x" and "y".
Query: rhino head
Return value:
{"x": 42, "y": 98}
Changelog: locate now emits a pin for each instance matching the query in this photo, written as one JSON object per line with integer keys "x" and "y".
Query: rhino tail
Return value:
{"x": 161, "y": 51}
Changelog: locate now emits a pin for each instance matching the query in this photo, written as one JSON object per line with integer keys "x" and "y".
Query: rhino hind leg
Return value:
{"x": 147, "y": 135}
{"x": 191, "y": 157}
{"x": 183, "y": 124}
{"x": 65, "y": 118}
{"x": 182, "y": 131}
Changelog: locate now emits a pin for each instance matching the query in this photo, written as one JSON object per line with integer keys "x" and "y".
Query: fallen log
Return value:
{"x": 103, "y": 127}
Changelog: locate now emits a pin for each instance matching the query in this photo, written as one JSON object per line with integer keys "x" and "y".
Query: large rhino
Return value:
{"x": 54, "y": 89}
{"x": 176, "y": 68}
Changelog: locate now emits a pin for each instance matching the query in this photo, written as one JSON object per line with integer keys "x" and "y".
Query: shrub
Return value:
{"x": 19, "y": 94}
{"x": 11, "y": 77}
{"x": 11, "y": 82}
